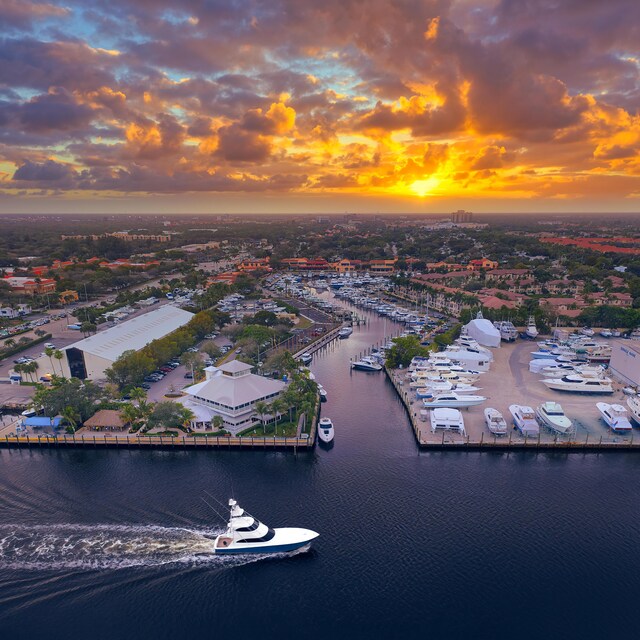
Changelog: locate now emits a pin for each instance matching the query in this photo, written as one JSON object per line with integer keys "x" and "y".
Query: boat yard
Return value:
{"x": 509, "y": 382}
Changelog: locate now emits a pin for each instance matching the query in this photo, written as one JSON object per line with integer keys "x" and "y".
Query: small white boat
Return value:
{"x": 605, "y": 333}
{"x": 366, "y": 364}
{"x": 305, "y": 358}
{"x": 524, "y": 418}
{"x": 453, "y": 400}
{"x": 345, "y": 332}
{"x": 323, "y": 393}
{"x": 579, "y": 384}
{"x": 587, "y": 331}
{"x": 325, "y": 430}
{"x": 246, "y": 534}
{"x": 634, "y": 407}
{"x": 495, "y": 421}
{"x": 615, "y": 415}
{"x": 446, "y": 419}
{"x": 551, "y": 415}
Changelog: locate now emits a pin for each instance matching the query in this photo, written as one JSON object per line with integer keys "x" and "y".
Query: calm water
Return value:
{"x": 108, "y": 544}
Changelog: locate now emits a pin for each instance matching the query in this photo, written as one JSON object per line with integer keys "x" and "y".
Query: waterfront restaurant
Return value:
{"x": 230, "y": 391}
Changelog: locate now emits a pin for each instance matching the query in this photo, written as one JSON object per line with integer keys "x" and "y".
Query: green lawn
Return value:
{"x": 284, "y": 428}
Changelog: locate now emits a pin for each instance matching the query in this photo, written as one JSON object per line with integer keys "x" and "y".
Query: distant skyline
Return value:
{"x": 294, "y": 106}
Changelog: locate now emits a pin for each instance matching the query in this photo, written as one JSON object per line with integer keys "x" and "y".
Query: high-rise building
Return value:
{"x": 461, "y": 216}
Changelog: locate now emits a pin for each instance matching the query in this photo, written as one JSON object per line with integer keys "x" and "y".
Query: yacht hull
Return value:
{"x": 285, "y": 541}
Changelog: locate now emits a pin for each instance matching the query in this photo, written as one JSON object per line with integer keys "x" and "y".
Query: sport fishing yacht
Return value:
{"x": 246, "y": 534}
{"x": 551, "y": 415}
{"x": 531, "y": 331}
{"x": 633, "y": 402}
{"x": 615, "y": 415}
{"x": 507, "y": 330}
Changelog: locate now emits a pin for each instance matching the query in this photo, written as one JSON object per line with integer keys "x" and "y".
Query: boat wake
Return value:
{"x": 67, "y": 546}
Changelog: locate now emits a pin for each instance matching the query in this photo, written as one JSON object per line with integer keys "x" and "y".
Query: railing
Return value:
{"x": 186, "y": 442}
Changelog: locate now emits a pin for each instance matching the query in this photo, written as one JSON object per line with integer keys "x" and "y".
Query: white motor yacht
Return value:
{"x": 437, "y": 387}
{"x": 615, "y": 415}
{"x": 366, "y": 364}
{"x": 305, "y": 358}
{"x": 495, "y": 421}
{"x": 345, "y": 332}
{"x": 246, "y": 534}
{"x": 507, "y": 330}
{"x": 551, "y": 415}
{"x": 576, "y": 383}
{"x": 524, "y": 418}
{"x": 531, "y": 331}
{"x": 325, "y": 430}
{"x": 446, "y": 419}
{"x": 453, "y": 400}
{"x": 323, "y": 393}
{"x": 633, "y": 402}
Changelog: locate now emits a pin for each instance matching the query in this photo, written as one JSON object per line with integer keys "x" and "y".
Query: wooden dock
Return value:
{"x": 134, "y": 441}
{"x": 450, "y": 442}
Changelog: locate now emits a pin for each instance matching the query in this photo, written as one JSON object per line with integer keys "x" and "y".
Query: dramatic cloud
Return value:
{"x": 409, "y": 101}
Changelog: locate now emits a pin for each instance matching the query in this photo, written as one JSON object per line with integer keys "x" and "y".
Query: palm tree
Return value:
{"x": 49, "y": 351}
{"x": 19, "y": 368}
{"x": 307, "y": 408}
{"x": 58, "y": 355}
{"x": 217, "y": 423}
{"x": 9, "y": 343}
{"x": 129, "y": 414}
{"x": 71, "y": 417}
{"x": 138, "y": 394}
{"x": 186, "y": 415}
{"x": 278, "y": 406}
{"x": 262, "y": 408}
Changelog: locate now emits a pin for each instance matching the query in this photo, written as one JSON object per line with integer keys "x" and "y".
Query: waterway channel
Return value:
{"x": 113, "y": 544}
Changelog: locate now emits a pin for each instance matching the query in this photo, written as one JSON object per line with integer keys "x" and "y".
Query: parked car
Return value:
{"x": 189, "y": 375}
{"x": 146, "y": 386}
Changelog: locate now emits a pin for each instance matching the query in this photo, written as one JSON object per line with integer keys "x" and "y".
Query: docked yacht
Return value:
{"x": 345, "y": 332}
{"x": 615, "y": 415}
{"x": 551, "y": 415}
{"x": 446, "y": 419}
{"x": 325, "y": 430}
{"x": 441, "y": 386}
{"x": 507, "y": 330}
{"x": 367, "y": 363}
{"x": 531, "y": 331}
{"x": 453, "y": 400}
{"x": 305, "y": 358}
{"x": 577, "y": 383}
{"x": 323, "y": 393}
{"x": 633, "y": 402}
{"x": 246, "y": 534}
{"x": 524, "y": 418}
{"x": 495, "y": 421}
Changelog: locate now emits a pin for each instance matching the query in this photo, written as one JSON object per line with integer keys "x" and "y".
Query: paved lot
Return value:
{"x": 510, "y": 382}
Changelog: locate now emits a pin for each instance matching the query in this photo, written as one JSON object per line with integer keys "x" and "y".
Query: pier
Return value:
{"x": 133, "y": 441}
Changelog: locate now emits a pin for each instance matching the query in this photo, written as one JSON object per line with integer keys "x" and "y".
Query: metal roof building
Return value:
{"x": 88, "y": 358}
{"x": 232, "y": 392}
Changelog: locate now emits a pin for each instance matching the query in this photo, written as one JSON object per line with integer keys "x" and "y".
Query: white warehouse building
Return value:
{"x": 625, "y": 362}
{"x": 89, "y": 358}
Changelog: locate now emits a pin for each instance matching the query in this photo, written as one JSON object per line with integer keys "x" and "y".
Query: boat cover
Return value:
{"x": 483, "y": 332}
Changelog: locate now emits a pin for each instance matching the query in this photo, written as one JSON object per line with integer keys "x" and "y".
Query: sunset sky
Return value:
{"x": 332, "y": 105}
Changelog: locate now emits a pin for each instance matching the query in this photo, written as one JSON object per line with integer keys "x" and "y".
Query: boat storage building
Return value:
{"x": 625, "y": 361}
